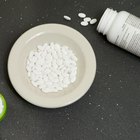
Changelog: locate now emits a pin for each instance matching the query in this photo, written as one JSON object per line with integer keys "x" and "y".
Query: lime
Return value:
{"x": 3, "y": 107}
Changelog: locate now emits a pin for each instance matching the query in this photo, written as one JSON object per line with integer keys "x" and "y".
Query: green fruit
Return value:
{"x": 3, "y": 113}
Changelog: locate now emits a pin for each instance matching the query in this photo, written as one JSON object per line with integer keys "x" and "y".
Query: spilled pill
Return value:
{"x": 67, "y": 17}
{"x": 82, "y": 15}
{"x": 93, "y": 21}
{"x": 84, "y": 23}
{"x": 87, "y": 19}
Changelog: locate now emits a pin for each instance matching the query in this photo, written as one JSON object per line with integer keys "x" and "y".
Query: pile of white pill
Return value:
{"x": 52, "y": 67}
{"x": 86, "y": 20}
{"x": 1, "y": 106}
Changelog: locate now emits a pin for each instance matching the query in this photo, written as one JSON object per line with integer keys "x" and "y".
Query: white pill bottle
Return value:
{"x": 121, "y": 29}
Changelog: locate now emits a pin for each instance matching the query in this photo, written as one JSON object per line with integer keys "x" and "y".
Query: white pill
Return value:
{"x": 46, "y": 90}
{"x": 29, "y": 74}
{"x": 82, "y": 15}
{"x": 60, "y": 78}
{"x": 47, "y": 71}
{"x": 87, "y": 19}
{"x": 59, "y": 62}
{"x": 46, "y": 79}
{"x": 93, "y": 21}
{"x": 67, "y": 18}
{"x": 73, "y": 80}
{"x": 28, "y": 68}
{"x": 65, "y": 85}
{"x": 46, "y": 45}
{"x": 65, "y": 75}
{"x": 74, "y": 58}
{"x": 59, "y": 88}
{"x": 40, "y": 48}
{"x": 84, "y": 23}
{"x": 31, "y": 54}
{"x": 41, "y": 86}
{"x": 52, "y": 44}
{"x": 34, "y": 84}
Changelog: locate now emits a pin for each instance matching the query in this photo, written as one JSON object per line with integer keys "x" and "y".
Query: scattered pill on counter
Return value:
{"x": 87, "y": 19}
{"x": 67, "y": 17}
{"x": 82, "y": 15}
{"x": 93, "y": 21}
{"x": 52, "y": 67}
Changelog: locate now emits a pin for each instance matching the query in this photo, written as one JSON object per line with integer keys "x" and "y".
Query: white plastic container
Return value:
{"x": 121, "y": 29}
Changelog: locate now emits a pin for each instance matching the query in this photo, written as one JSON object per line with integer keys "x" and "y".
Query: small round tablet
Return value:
{"x": 87, "y": 19}
{"x": 93, "y": 21}
{"x": 67, "y": 17}
{"x": 82, "y": 15}
{"x": 84, "y": 23}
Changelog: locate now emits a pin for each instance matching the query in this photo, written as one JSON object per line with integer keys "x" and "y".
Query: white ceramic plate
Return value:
{"x": 44, "y": 34}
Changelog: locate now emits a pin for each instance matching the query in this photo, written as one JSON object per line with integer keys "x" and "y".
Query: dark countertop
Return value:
{"x": 111, "y": 108}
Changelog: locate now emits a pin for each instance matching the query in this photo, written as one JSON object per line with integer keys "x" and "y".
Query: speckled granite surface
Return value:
{"x": 111, "y": 108}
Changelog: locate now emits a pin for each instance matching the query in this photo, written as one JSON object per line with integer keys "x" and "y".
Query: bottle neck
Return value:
{"x": 106, "y": 21}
